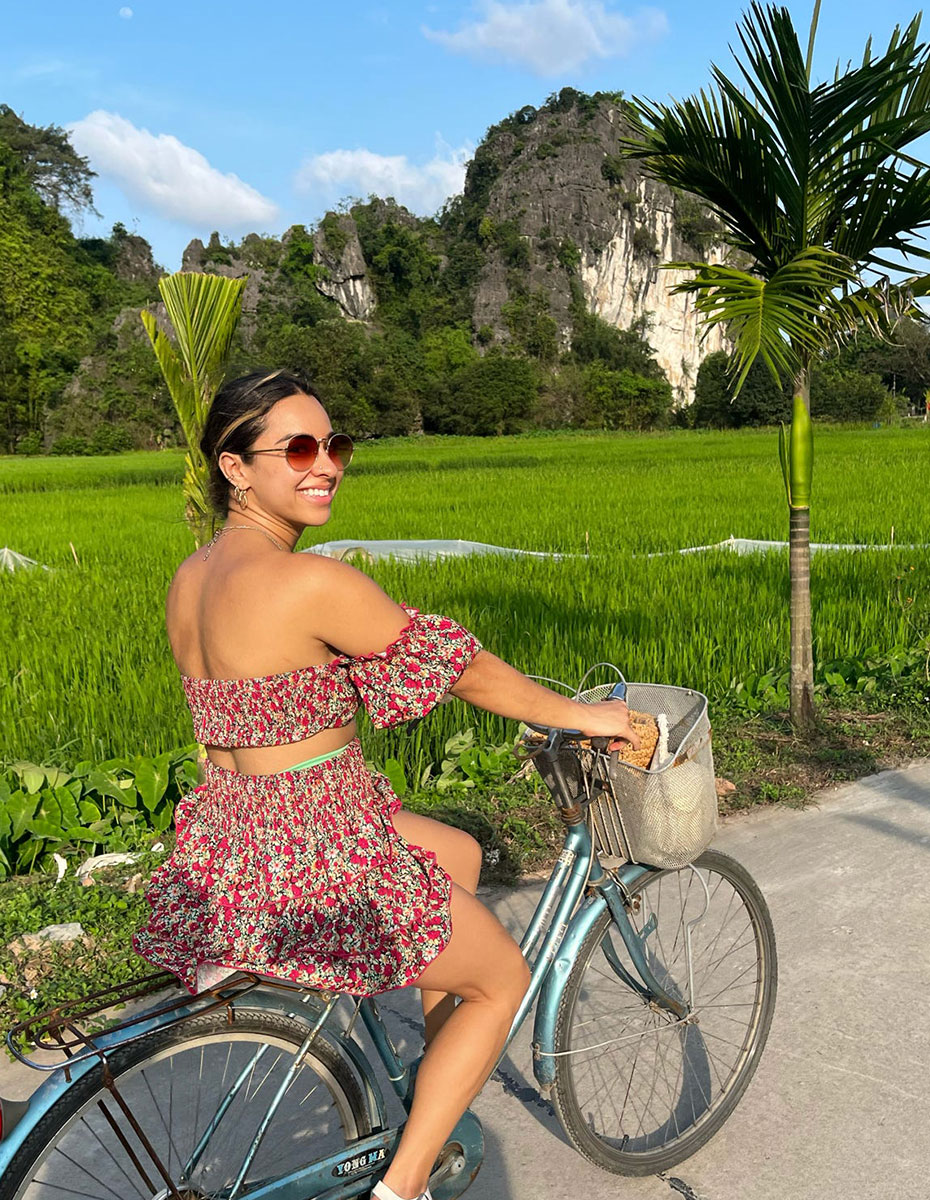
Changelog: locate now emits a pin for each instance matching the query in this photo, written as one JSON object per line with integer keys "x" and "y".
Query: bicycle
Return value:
{"x": 654, "y": 989}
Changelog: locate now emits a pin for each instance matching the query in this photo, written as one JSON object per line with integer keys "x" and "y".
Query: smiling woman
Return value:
{"x": 303, "y": 870}
{"x": 240, "y": 426}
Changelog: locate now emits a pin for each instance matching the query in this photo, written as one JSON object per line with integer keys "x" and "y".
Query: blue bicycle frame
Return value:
{"x": 556, "y": 930}
{"x": 561, "y": 921}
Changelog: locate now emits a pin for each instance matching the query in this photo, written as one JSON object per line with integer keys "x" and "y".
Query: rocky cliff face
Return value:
{"x": 566, "y": 216}
{"x": 217, "y": 260}
{"x": 344, "y": 278}
{"x": 552, "y": 218}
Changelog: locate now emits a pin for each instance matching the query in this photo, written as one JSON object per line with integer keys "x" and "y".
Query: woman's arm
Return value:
{"x": 351, "y": 613}
{"x": 490, "y": 683}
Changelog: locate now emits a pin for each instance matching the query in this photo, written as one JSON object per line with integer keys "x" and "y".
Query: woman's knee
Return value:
{"x": 509, "y": 984}
{"x": 481, "y": 961}
{"x": 469, "y": 853}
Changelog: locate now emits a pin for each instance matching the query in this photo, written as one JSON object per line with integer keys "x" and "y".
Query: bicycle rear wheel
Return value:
{"x": 636, "y": 1089}
{"x": 173, "y": 1081}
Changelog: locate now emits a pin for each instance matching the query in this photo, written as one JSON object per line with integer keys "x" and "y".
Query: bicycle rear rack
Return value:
{"x": 57, "y": 1028}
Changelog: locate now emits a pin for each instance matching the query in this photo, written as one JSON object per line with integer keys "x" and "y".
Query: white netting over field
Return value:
{"x": 758, "y": 546}
{"x": 437, "y": 548}
{"x": 428, "y": 548}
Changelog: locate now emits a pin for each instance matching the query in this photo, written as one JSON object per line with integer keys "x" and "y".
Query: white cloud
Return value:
{"x": 422, "y": 189}
{"x": 551, "y": 36}
{"x": 126, "y": 13}
{"x": 160, "y": 173}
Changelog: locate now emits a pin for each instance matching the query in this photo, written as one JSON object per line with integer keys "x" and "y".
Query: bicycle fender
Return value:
{"x": 547, "y": 1006}
{"x": 54, "y": 1086}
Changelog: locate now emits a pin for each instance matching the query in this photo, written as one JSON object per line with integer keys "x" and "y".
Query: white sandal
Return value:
{"x": 383, "y": 1192}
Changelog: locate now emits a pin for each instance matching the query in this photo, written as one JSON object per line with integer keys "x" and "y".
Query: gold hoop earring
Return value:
{"x": 242, "y": 496}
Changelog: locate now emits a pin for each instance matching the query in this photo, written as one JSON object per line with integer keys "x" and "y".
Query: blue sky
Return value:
{"x": 200, "y": 115}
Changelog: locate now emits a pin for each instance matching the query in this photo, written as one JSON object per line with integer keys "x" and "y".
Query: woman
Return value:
{"x": 292, "y": 859}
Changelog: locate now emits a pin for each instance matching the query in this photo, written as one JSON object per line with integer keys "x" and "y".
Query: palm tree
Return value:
{"x": 204, "y": 311}
{"x": 819, "y": 202}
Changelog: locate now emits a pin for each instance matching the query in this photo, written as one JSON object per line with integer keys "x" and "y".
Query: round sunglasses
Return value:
{"x": 301, "y": 451}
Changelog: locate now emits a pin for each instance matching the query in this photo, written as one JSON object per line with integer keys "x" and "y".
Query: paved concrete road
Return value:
{"x": 839, "y": 1106}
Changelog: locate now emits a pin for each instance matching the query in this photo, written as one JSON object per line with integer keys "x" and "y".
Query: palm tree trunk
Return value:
{"x": 799, "y": 567}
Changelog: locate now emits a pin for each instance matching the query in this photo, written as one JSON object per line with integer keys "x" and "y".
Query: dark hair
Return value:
{"x": 237, "y": 418}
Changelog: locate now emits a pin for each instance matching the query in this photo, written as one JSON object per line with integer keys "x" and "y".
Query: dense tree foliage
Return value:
{"x": 53, "y": 168}
{"x": 761, "y": 401}
{"x": 868, "y": 380}
{"x": 59, "y": 295}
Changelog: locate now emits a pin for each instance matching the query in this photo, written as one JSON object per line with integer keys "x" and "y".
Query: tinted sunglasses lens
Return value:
{"x": 301, "y": 452}
{"x": 340, "y": 449}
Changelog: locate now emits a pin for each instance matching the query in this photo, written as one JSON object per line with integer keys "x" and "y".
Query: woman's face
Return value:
{"x": 302, "y": 497}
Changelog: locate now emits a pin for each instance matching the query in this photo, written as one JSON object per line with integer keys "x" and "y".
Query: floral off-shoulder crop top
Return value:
{"x": 397, "y": 684}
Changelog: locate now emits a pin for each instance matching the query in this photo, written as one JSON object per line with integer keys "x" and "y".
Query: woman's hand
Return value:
{"x": 608, "y": 718}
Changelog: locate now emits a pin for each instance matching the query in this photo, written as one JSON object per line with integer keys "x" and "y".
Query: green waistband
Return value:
{"x": 312, "y": 762}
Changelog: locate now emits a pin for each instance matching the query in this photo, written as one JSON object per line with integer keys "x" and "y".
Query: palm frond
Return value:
{"x": 721, "y": 152}
{"x": 780, "y": 319}
{"x": 889, "y": 215}
{"x": 204, "y": 311}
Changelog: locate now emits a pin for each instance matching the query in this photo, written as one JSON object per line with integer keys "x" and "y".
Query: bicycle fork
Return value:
{"x": 613, "y": 894}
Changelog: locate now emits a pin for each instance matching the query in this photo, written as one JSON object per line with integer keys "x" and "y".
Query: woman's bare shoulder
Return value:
{"x": 346, "y": 608}
{"x": 184, "y": 578}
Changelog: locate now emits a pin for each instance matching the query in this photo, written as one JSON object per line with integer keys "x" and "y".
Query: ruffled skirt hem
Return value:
{"x": 301, "y": 876}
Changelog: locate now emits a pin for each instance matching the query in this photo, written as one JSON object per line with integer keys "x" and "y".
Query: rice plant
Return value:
{"x": 85, "y": 664}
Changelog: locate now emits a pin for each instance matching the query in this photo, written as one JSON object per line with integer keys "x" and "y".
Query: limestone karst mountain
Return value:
{"x": 551, "y": 218}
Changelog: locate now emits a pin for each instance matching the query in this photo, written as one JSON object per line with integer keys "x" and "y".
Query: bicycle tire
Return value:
{"x": 612, "y": 1081}
{"x": 74, "y": 1135}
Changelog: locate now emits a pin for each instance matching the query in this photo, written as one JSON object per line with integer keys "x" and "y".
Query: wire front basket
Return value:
{"x": 665, "y": 815}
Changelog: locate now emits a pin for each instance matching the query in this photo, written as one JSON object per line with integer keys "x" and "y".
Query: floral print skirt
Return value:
{"x": 299, "y": 875}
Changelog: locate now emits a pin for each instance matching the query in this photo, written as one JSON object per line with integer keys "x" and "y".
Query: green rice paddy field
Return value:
{"x": 85, "y": 669}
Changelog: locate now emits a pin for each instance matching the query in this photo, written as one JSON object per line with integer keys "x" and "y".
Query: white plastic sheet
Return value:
{"x": 427, "y": 548}
{"x": 431, "y": 549}
{"x": 758, "y": 546}
{"x": 10, "y": 560}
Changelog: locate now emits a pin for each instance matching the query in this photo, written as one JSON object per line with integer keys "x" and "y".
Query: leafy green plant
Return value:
{"x": 783, "y": 164}
{"x": 92, "y": 808}
{"x": 31, "y": 982}
{"x": 613, "y": 169}
{"x": 479, "y": 788}
{"x": 334, "y": 235}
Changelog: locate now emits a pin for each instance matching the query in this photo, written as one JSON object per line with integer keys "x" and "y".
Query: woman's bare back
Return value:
{"x": 242, "y": 614}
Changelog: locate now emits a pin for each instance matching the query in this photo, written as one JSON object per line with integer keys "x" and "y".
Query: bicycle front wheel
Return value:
{"x": 637, "y": 1089}
{"x": 174, "y": 1081}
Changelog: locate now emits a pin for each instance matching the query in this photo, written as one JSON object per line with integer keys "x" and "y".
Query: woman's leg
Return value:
{"x": 483, "y": 965}
{"x": 459, "y": 855}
